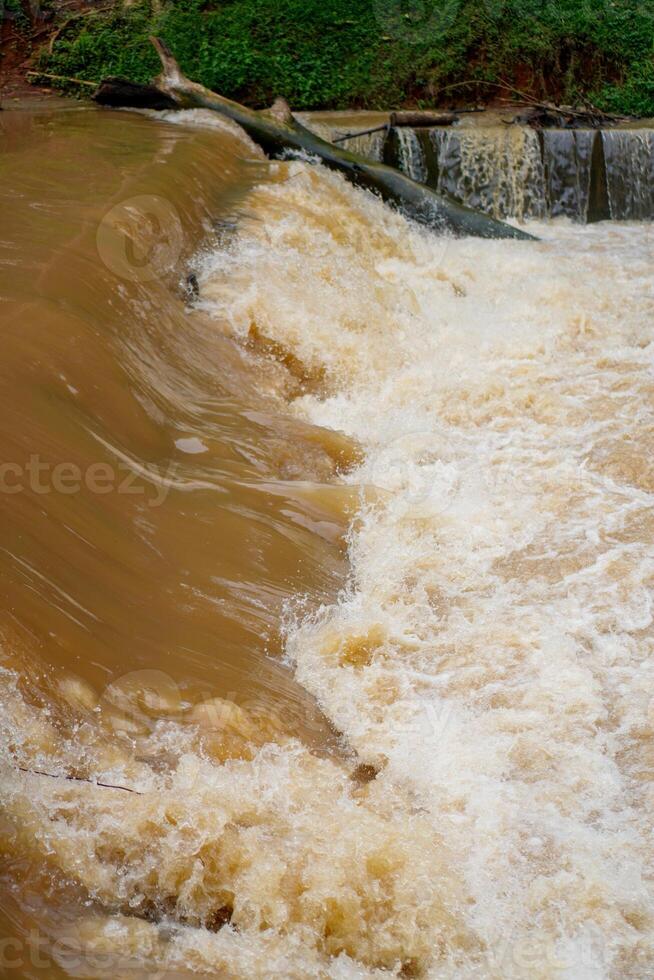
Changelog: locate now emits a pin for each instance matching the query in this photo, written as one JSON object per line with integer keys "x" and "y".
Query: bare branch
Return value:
{"x": 78, "y": 779}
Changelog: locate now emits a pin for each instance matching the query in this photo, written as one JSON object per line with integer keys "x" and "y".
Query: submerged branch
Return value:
{"x": 361, "y": 132}
{"x": 78, "y": 779}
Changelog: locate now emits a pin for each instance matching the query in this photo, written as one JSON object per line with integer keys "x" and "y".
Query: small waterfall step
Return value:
{"x": 514, "y": 171}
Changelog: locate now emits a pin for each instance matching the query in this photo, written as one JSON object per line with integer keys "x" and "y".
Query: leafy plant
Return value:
{"x": 377, "y": 53}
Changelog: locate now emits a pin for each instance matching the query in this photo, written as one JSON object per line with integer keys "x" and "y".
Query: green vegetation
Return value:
{"x": 12, "y": 12}
{"x": 378, "y": 53}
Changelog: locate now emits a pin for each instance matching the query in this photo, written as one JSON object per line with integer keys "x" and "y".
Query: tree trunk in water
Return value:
{"x": 277, "y": 132}
{"x": 422, "y": 117}
{"x": 119, "y": 92}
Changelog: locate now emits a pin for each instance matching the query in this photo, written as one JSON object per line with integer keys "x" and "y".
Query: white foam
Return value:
{"x": 491, "y": 655}
{"x": 501, "y": 595}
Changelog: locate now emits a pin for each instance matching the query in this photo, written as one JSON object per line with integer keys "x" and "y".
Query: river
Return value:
{"x": 327, "y": 569}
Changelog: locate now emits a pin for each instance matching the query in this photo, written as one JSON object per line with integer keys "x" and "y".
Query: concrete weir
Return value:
{"x": 514, "y": 171}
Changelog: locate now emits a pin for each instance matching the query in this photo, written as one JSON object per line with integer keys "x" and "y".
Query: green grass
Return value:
{"x": 378, "y": 53}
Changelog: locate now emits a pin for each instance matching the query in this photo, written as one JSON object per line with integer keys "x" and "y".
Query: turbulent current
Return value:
{"x": 361, "y": 683}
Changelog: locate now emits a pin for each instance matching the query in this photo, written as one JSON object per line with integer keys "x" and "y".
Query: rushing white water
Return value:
{"x": 493, "y": 654}
{"x": 490, "y": 659}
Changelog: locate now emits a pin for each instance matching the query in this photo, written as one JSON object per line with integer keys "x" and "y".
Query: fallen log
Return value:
{"x": 422, "y": 117}
{"x": 396, "y": 120}
{"x": 279, "y": 134}
{"x": 119, "y": 92}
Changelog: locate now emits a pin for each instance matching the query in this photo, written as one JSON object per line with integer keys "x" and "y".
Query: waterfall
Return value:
{"x": 629, "y": 156}
{"x": 512, "y": 171}
{"x": 498, "y": 170}
{"x": 370, "y": 145}
{"x": 567, "y": 158}
{"x": 411, "y": 156}
{"x": 516, "y": 172}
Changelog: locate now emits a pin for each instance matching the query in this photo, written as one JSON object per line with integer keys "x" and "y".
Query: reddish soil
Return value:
{"x": 22, "y": 37}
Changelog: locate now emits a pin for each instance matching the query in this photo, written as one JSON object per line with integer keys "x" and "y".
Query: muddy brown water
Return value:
{"x": 181, "y": 463}
{"x": 150, "y": 515}
{"x": 170, "y": 535}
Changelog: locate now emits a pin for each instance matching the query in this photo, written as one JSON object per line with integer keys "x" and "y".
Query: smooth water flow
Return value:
{"x": 358, "y": 684}
{"x": 630, "y": 172}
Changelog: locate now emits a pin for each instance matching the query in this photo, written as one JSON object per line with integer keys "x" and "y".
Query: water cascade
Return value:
{"x": 498, "y": 170}
{"x": 370, "y": 145}
{"x": 629, "y": 156}
{"x": 513, "y": 171}
{"x": 412, "y": 158}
